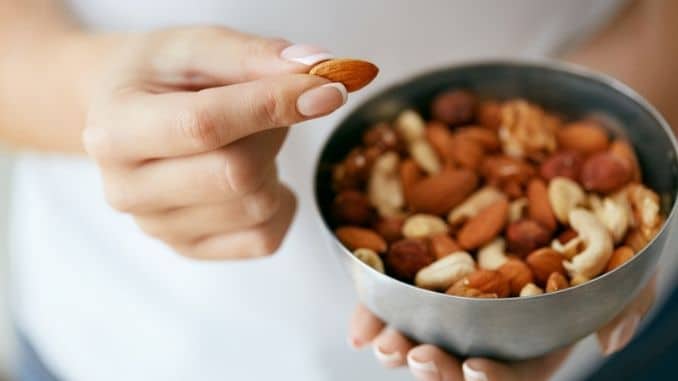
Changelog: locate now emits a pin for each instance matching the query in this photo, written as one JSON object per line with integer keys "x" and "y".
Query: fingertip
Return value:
{"x": 477, "y": 369}
{"x": 363, "y": 328}
{"x": 305, "y": 54}
{"x": 430, "y": 363}
{"x": 322, "y": 100}
{"x": 390, "y": 348}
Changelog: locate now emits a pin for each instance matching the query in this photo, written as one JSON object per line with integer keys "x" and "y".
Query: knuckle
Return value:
{"x": 271, "y": 111}
{"x": 262, "y": 205}
{"x": 197, "y": 126}
{"x": 122, "y": 199}
{"x": 236, "y": 175}
{"x": 96, "y": 142}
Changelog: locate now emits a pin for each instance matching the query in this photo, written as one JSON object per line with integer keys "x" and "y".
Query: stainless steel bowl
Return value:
{"x": 513, "y": 328}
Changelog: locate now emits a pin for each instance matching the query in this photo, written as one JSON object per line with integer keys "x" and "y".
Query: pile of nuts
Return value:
{"x": 492, "y": 199}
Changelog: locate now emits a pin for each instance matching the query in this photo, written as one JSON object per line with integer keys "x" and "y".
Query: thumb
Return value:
{"x": 213, "y": 56}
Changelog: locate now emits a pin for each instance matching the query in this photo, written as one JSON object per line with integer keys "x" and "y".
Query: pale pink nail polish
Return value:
{"x": 423, "y": 370}
{"x": 388, "y": 358}
{"x": 471, "y": 374}
{"x": 305, "y": 54}
{"x": 322, "y": 100}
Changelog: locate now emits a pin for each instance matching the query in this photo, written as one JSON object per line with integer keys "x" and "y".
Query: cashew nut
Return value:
{"x": 384, "y": 190}
{"x": 593, "y": 259}
{"x": 569, "y": 249}
{"x": 370, "y": 258}
{"x": 411, "y": 126}
{"x": 517, "y": 209}
{"x": 423, "y": 225}
{"x": 493, "y": 255}
{"x": 531, "y": 289}
{"x": 444, "y": 272}
{"x": 614, "y": 212}
{"x": 646, "y": 210}
{"x": 423, "y": 154}
{"x": 565, "y": 195}
{"x": 474, "y": 204}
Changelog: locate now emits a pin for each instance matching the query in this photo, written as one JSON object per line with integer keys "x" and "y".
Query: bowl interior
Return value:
{"x": 570, "y": 91}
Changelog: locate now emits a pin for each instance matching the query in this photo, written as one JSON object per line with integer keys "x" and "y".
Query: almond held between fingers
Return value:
{"x": 485, "y": 226}
{"x": 353, "y": 74}
{"x": 544, "y": 262}
{"x": 355, "y": 238}
{"x": 438, "y": 194}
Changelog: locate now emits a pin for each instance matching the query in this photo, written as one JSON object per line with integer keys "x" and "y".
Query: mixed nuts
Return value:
{"x": 492, "y": 199}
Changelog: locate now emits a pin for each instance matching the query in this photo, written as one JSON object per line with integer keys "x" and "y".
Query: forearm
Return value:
{"x": 47, "y": 71}
{"x": 639, "y": 48}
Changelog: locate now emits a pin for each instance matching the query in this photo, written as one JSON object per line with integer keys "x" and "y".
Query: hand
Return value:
{"x": 429, "y": 363}
{"x": 186, "y": 130}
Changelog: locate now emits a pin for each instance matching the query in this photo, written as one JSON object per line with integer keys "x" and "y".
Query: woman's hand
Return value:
{"x": 429, "y": 363}
{"x": 186, "y": 130}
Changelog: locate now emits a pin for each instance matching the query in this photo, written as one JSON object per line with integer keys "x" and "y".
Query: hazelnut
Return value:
{"x": 518, "y": 274}
{"x": 351, "y": 207}
{"x": 453, "y": 107}
{"x": 524, "y": 236}
{"x": 406, "y": 257}
{"x": 556, "y": 281}
{"x": 562, "y": 164}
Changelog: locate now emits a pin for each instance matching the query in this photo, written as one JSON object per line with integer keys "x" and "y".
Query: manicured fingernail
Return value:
{"x": 622, "y": 334}
{"x": 355, "y": 343}
{"x": 423, "y": 370}
{"x": 388, "y": 359}
{"x": 322, "y": 100}
{"x": 305, "y": 54}
{"x": 471, "y": 374}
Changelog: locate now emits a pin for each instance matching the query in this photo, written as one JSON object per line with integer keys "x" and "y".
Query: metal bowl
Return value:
{"x": 511, "y": 328}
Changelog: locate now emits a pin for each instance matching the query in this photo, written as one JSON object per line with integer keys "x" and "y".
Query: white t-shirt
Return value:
{"x": 102, "y": 301}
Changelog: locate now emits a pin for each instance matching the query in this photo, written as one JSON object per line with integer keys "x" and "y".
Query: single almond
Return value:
{"x": 466, "y": 152}
{"x": 605, "y": 173}
{"x": 360, "y": 238}
{"x": 544, "y": 262}
{"x": 518, "y": 274}
{"x": 485, "y": 226}
{"x": 353, "y": 74}
{"x": 440, "y": 138}
{"x": 442, "y": 245}
{"x": 586, "y": 137}
{"x": 539, "y": 206}
{"x": 619, "y": 257}
{"x": 556, "y": 281}
{"x": 410, "y": 174}
{"x": 488, "y": 282}
{"x": 438, "y": 194}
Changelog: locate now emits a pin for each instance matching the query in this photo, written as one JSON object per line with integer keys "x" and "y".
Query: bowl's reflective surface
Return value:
{"x": 515, "y": 328}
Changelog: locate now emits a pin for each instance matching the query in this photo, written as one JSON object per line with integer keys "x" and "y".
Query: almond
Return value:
{"x": 605, "y": 173}
{"x": 440, "y": 138}
{"x": 556, "y": 281}
{"x": 562, "y": 164}
{"x": 353, "y": 74}
{"x": 442, "y": 245}
{"x": 619, "y": 257}
{"x": 539, "y": 206}
{"x": 525, "y": 236}
{"x": 544, "y": 262}
{"x": 486, "y": 137}
{"x": 406, "y": 257}
{"x": 517, "y": 273}
{"x": 410, "y": 174}
{"x": 453, "y": 107}
{"x": 635, "y": 239}
{"x": 485, "y": 226}
{"x": 358, "y": 238}
{"x": 624, "y": 151}
{"x": 586, "y": 137}
{"x": 438, "y": 194}
{"x": 489, "y": 115}
{"x": 351, "y": 207}
{"x": 488, "y": 282}
{"x": 390, "y": 228}
{"x": 466, "y": 152}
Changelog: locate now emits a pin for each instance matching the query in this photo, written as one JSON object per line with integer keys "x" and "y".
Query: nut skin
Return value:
{"x": 485, "y": 226}
{"x": 556, "y": 281}
{"x": 406, "y": 257}
{"x": 619, "y": 257}
{"x": 488, "y": 282}
{"x": 351, "y": 207}
{"x": 442, "y": 245}
{"x": 518, "y": 274}
{"x": 604, "y": 173}
{"x": 562, "y": 164}
{"x": 390, "y": 228}
{"x": 539, "y": 206}
{"x": 438, "y": 194}
{"x": 453, "y": 107}
{"x": 586, "y": 137}
{"x": 353, "y": 74}
{"x": 525, "y": 236}
{"x": 354, "y": 238}
{"x": 543, "y": 262}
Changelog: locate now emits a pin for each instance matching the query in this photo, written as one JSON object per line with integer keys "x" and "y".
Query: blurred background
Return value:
{"x": 6, "y": 337}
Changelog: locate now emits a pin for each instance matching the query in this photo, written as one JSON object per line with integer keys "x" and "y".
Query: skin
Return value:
{"x": 154, "y": 110}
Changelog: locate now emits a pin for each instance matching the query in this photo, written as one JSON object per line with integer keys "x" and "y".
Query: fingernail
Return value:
{"x": 322, "y": 100}
{"x": 388, "y": 359}
{"x": 471, "y": 374}
{"x": 622, "y": 334}
{"x": 423, "y": 370}
{"x": 355, "y": 343}
{"x": 305, "y": 54}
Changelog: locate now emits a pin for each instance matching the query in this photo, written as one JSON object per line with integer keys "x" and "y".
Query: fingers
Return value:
{"x": 430, "y": 363}
{"x": 210, "y": 56}
{"x": 619, "y": 332}
{"x": 235, "y": 171}
{"x": 390, "y": 348}
{"x": 177, "y": 124}
{"x": 364, "y": 327}
{"x": 260, "y": 240}
{"x": 539, "y": 369}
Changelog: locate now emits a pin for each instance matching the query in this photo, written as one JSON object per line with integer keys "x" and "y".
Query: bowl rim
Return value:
{"x": 539, "y": 63}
